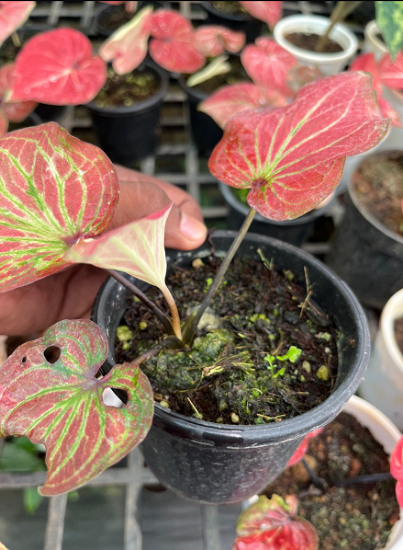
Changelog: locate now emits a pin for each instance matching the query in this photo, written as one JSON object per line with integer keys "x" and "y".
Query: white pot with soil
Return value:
{"x": 373, "y": 42}
{"x": 289, "y": 31}
{"x": 383, "y": 382}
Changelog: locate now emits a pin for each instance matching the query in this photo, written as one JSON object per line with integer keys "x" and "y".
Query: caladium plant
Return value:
{"x": 396, "y": 469}
{"x": 12, "y": 16}
{"x": 274, "y": 525}
{"x": 269, "y": 12}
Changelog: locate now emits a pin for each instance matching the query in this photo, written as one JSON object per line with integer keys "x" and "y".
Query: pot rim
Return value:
{"x": 291, "y": 428}
{"x": 370, "y": 32}
{"x": 339, "y": 32}
{"x": 230, "y": 16}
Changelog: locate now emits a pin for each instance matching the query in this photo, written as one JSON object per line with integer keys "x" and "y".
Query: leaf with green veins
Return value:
{"x": 389, "y": 17}
{"x": 54, "y": 189}
{"x": 292, "y": 355}
{"x": 32, "y": 499}
{"x": 60, "y": 404}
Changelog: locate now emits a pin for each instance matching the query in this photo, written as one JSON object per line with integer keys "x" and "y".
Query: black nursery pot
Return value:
{"x": 237, "y": 22}
{"x": 291, "y": 231}
{"x": 217, "y": 464}
{"x": 104, "y": 13}
{"x": 129, "y": 134}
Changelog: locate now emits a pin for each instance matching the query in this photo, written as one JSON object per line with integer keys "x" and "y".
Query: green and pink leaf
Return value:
{"x": 58, "y": 401}
{"x": 269, "y": 12}
{"x": 213, "y": 40}
{"x": 12, "y": 16}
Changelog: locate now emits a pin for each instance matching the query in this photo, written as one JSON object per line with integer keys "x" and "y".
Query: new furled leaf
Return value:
{"x": 389, "y": 17}
{"x": 59, "y": 402}
{"x": 269, "y": 12}
{"x": 292, "y": 158}
{"x": 213, "y": 40}
{"x": 12, "y": 16}
{"x": 54, "y": 190}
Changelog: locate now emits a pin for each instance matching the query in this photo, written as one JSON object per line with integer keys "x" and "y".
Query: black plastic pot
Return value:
{"x": 50, "y": 112}
{"x": 291, "y": 231}
{"x": 105, "y": 12}
{"x": 237, "y": 22}
{"x": 367, "y": 255}
{"x": 216, "y": 463}
{"x": 129, "y": 134}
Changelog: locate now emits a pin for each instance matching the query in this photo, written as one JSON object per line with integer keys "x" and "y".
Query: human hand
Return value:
{"x": 70, "y": 294}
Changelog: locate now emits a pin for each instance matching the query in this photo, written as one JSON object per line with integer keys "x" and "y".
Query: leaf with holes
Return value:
{"x": 273, "y": 525}
{"x": 389, "y": 17}
{"x": 391, "y": 72}
{"x": 54, "y": 190}
{"x": 292, "y": 158}
{"x": 58, "y": 401}
{"x": 19, "y": 110}
{"x": 57, "y": 67}
{"x": 127, "y": 47}
{"x": 268, "y": 64}
{"x": 213, "y": 40}
{"x": 12, "y": 16}
{"x": 269, "y": 12}
{"x": 236, "y": 98}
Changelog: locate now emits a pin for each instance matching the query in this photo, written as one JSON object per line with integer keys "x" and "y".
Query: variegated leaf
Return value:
{"x": 389, "y": 17}
{"x": 218, "y": 66}
{"x": 127, "y": 47}
{"x": 58, "y": 68}
{"x": 19, "y": 110}
{"x": 136, "y": 248}
{"x": 57, "y": 400}
{"x": 292, "y": 158}
{"x": 269, "y": 12}
{"x": 54, "y": 190}
{"x": 213, "y": 40}
{"x": 12, "y": 16}
{"x": 391, "y": 72}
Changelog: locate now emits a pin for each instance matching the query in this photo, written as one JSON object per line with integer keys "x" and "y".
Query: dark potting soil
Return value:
{"x": 245, "y": 369}
{"x": 378, "y": 186}
{"x": 380, "y": 38}
{"x": 398, "y": 326}
{"x": 229, "y": 7}
{"x": 117, "y": 17}
{"x": 236, "y": 74}
{"x": 127, "y": 89}
{"x": 357, "y": 517}
{"x": 308, "y": 42}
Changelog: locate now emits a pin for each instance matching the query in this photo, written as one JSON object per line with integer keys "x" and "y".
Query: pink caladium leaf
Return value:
{"x": 303, "y": 447}
{"x": 269, "y": 12}
{"x": 58, "y": 68}
{"x": 167, "y": 25}
{"x": 54, "y": 189}
{"x": 213, "y": 40}
{"x": 391, "y": 72}
{"x": 236, "y": 98}
{"x": 273, "y": 525}
{"x": 19, "y": 110}
{"x": 292, "y": 158}
{"x": 396, "y": 467}
{"x": 127, "y": 47}
{"x": 57, "y": 400}
{"x": 12, "y": 16}
{"x": 268, "y": 64}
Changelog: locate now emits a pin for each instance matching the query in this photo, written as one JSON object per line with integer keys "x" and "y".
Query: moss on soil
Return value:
{"x": 128, "y": 89}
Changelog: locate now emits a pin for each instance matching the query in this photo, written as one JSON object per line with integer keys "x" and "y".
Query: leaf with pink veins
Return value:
{"x": 391, "y": 72}
{"x": 18, "y": 110}
{"x": 292, "y": 158}
{"x": 268, "y": 64}
{"x": 213, "y": 40}
{"x": 269, "y": 12}
{"x": 12, "y": 16}
{"x": 127, "y": 47}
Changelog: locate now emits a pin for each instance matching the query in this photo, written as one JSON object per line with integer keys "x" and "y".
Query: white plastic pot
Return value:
{"x": 383, "y": 383}
{"x": 328, "y": 63}
{"x": 372, "y": 44}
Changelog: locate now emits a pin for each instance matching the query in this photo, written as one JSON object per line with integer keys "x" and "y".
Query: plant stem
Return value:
{"x": 176, "y": 322}
{"x": 165, "y": 320}
{"x": 340, "y": 12}
{"x": 189, "y": 330}
{"x": 16, "y": 40}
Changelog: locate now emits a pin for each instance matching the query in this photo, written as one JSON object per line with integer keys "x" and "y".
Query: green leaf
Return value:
{"x": 32, "y": 499}
{"x": 17, "y": 459}
{"x": 389, "y": 17}
{"x": 292, "y": 355}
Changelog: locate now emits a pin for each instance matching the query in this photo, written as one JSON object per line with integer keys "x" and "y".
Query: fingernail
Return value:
{"x": 192, "y": 229}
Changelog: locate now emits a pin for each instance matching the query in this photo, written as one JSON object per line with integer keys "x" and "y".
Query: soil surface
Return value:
{"x": 242, "y": 368}
{"x": 378, "y": 185}
{"x": 229, "y": 7}
{"x": 128, "y": 89}
{"x": 399, "y": 333}
{"x": 355, "y": 517}
{"x": 308, "y": 42}
{"x": 236, "y": 74}
{"x": 117, "y": 16}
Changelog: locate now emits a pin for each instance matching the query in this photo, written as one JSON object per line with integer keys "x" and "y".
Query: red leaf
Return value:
{"x": 127, "y": 47}
{"x": 213, "y": 40}
{"x": 54, "y": 189}
{"x": 59, "y": 402}
{"x": 19, "y": 110}
{"x": 396, "y": 461}
{"x": 269, "y": 12}
{"x": 293, "y": 157}
{"x": 12, "y": 16}
{"x": 391, "y": 72}
{"x": 303, "y": 447}
{"x": 3, "y": 127}
{"x": 57, "y": 67}
{"x": 268, "y": 64}
{"x": 231, "y": 100}
{"x": 168, "y": 24}
{"x": 273, "y": 525}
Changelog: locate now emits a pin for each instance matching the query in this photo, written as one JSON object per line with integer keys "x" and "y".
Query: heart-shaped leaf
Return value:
{"x": 268, "y": 64}
{"x": 168, "y": 24}
{"x": 54, "y": 189}
{"x": 19, "y": 110}
{"x": 269, "y": 12}
{"x": 292, "y": 158}
{"x": 213, "y": 40}
{"x": 49, "y": 392}
{"x": 127, "y": 47}
{"x": 389, "y": 17}
{"x": 12, "y": 16}
{"x": 273, "y": 525}
{"x": 236, "y": 98}
{"x": 391, "y": 72}
{"x": 57, "y": 67}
